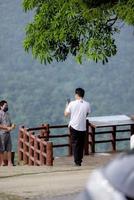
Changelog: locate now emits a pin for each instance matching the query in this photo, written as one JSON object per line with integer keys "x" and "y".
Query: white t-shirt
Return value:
{"x": 78, "y": 110}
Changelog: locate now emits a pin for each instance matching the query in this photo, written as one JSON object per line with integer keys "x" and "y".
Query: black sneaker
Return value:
{"x": 77, "y": 164}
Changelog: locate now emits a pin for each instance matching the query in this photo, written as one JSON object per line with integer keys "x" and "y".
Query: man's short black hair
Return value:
{"x": 2, "y": 102}
{"x": 80, "y": 92}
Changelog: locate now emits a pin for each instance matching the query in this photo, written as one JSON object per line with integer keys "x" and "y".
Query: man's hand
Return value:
{"x": 66, "y": 114}
{"x": 10, "y": 128}
{"x": 13, "y": 126}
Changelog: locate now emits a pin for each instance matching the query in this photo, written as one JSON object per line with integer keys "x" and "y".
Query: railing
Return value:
{"x": 64, "y": 135}
{"x": 115, "y": 129}
{"x": 113, "y": 132}
{"x": 46, "y": 134}
{"x": 33, "y": 150}
{"x": 37, "y": 149}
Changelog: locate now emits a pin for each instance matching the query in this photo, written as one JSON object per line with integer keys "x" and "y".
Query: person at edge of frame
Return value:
{"x": 5, "y": 138}
{"x": 114, "y": 181}
{"x": 78, "y": 111}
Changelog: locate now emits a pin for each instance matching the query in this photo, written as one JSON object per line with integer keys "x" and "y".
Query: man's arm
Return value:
{"x": 3, "y": 125}
{"x": 66, "y": 114}
{"x": 5, "y": 128}
{"x": 67, "y": 110}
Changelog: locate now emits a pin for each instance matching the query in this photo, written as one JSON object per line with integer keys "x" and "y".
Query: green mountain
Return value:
{"x": 37, "y": 93}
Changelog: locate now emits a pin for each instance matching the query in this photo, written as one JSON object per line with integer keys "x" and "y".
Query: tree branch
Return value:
{"x": 112, "y": 21}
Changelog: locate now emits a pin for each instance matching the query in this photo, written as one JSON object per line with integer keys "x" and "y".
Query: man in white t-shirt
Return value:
{"x": 78, "y": 111}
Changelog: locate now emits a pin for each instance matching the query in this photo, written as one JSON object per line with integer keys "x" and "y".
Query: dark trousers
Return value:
{"x": 78, "y": 141}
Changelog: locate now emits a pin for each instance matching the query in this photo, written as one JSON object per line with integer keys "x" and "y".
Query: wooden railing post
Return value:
{"x": 87, "y": 139}
{"x": 35, "y": 147}
{"x": 49, "y": 152}
{"x": 25, "y": 147}
{"x": 20, "y": 157}
{"x": 92, "y": 139}
{"x": 42, "y": 160}
{"x": 114, "y": 138}
{"x": 44, "y": 133}
{"x": 21, "y": 144}
{"x": 132, "y": 129}
{"x": 47, "y": 131}
{"x": 31, "y": 150}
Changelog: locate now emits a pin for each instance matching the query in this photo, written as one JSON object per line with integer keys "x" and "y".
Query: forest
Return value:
{"x": 37, "y": 93}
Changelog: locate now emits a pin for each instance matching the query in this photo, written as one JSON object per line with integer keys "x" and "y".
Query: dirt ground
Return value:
{"x": 62, "y": 181}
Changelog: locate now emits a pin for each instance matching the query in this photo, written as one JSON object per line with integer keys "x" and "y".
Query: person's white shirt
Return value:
{"x": 78, "y": 110}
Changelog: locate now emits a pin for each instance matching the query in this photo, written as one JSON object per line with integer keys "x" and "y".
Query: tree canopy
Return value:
{"x": 83, "y": 28}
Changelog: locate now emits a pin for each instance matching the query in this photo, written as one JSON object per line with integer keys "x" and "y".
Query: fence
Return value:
{"x": 46, "y": 134}
{"x": 37, "y": 149}
{"x": 33, "y": 150}
{"x": 115, "y": 128}
{"x": 113, "y": 139}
